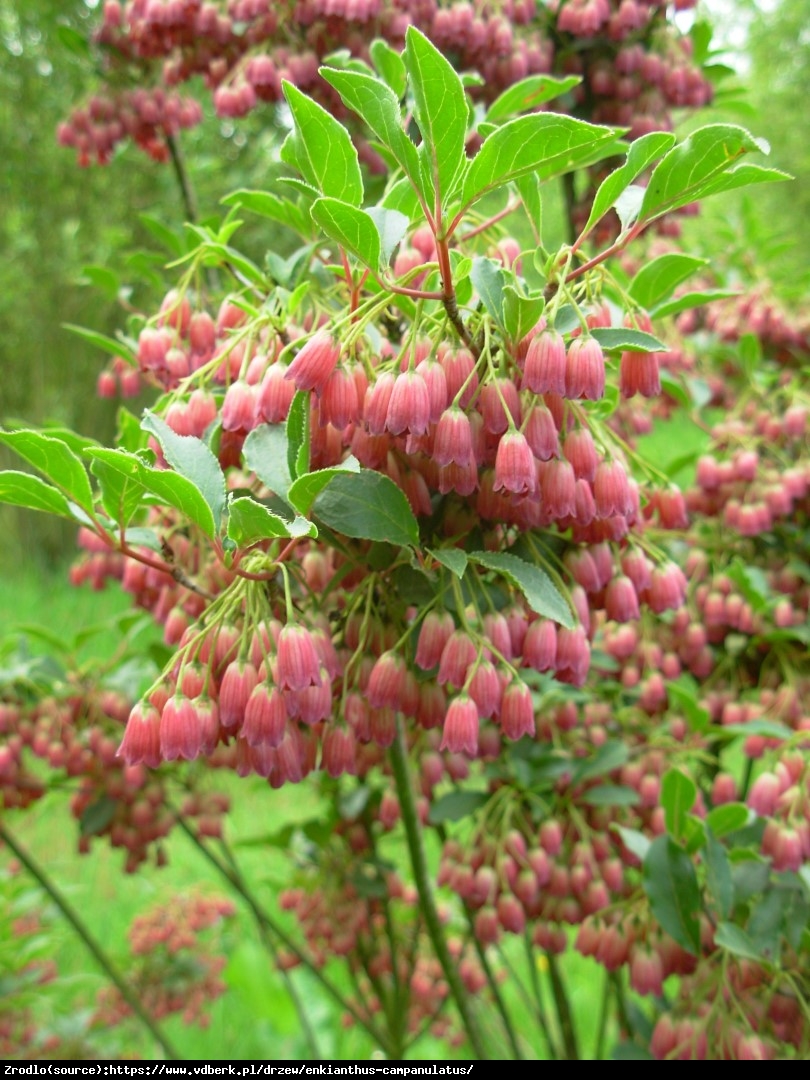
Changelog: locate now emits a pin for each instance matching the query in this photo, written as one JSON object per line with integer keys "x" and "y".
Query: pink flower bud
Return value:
{"x": 517, "y": 711}
{"x": 460, "y": 732}
{"x": 453, "y": 440}
{"x": 585, "y": 369}
{"x": 298, "y": 661}
{"x": 141, "y": 741}
{"x": 514, "y": 465}
{"x": 409, "y": 407}
{"x": 315, "y": 362}
{"x": 544, "y": 370}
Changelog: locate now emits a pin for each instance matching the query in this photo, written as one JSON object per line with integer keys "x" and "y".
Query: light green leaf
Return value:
{"x": 190, "y": 457}
{"x": 250, "y": 522}
{"x": 543, "y": 143}
{"x": 636, "y": 842}
{"x": 23, "y": 489}
{"x": 453, "y": 558}
{"x": 391, "y": 226}
{"x": 55, "y": 460}
{"x": 520, "y": 313}
{"x": 735, "y": 940}
{"x": 678, "y": 794}
{"x": 284, "y": 211}
{"x": 379, "y": 107}
{"x": 297, "y": 429}
{"x": 353, "y": 229}
{"x": 440, "y": 111}
{"x": 369, "y": 506}
{"x": 657, "y": 279}
{"x": 718, "y": 875}
{"x": 642, "y": 153}
{"x": 456, "y": 805}
{"x": 101, "y": 341}
{"x": 609, "y": 757}
{"x": 671, "y": 886}
{"x": 690, "y": 300}
{"x": 698, "y": 166}
{"x": 611, "y": 795}
{"x": 529, "y": 93}
{"x": 121, "y": 495}
{"x": 321, "y": 149}
{"x": 541, "y": 594}
{"x": 305, "y": 490}
{"x": 488, "y": 278}
{"x": 614, "y": 338}
{"x": 265, "y": 454}
{"x": 390, "y": 65}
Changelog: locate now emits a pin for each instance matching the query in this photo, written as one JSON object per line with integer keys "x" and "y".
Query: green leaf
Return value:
{"x": 678, "y": 793}
{"x": 611, "y": 795}
{"x": 718, "y": 875}
{"x": 702, "y": 164}
{"x": 735, "y": 940}
{"x": 390, "y": 65}
{"x": 402, "y": 197}
{"x": 369, "y": 506}
{"x": 630, "y": 1051}
{"x": 73, "y": 41}
{"x": 440, "y": 111}
{"x": 541, "y": 594}
{"x": 766, "y": 920}
{"x": 727, "y": 818}
{"x": 453, "y": 558}
{"x": 750, "y": 877}
{"x": 304, "y": 491}
{"x": 103, "y": 279}
{"x": 297, "y": 430}
{"x": 657, "y": 279}
{"x": 190, "y": 457}
{"x": 275, "y": 207}
{"x": 690, "y": 300}
{"x": 543, "y": 143}
{"x": 169, "y": 487}
{"x": 671, "y": 886}
{"x": 520, "y": 313}
{"x": 249, "y": 522}
{"x": 101, "y": 341}
{"x": 321, "y": 149}
{"x": 55, "y": 460}
{"x": 265, "y": 453}
{"x": 621, "y": 337}
{"x": 609, "y": 757}
{"x": 97, "y": 816}
{"x": 379, "y": 107}
{"x": 170, "y": 239}
{"x": 642, "y": 153}
{"x": 23, "y": 489}
{"x": 529, "y": 190}
{"x": 636, "y": 842}
{"x": 744, "y": 175}
{"x": 121, "y": 495}
{"x": 391, "y": 226}
{"x": 529, "y": 93}
{"x": 771, "y": 729}
{"x": 488, "y": 278}
{"x": 683, "y": 694}
{"x": 353, "y": 229}
{"x": 456, "y": 805}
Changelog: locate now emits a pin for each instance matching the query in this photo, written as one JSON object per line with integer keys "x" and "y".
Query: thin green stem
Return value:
{"x": 604, "y": 1011}
{"x": 500, "y": 1004}
{"x": 126, "y": 991}
{"x": 416, "y": 850}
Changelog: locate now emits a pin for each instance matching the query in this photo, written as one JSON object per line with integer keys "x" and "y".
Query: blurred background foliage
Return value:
{"x": 58, "y": 220}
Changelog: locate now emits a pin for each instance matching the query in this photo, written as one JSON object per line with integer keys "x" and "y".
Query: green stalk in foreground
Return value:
{"x": 416, "y": 850}
{"x": 105, "y": 963}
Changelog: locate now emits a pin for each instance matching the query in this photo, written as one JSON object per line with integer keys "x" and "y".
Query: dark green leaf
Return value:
{"x": 55, "y": 460}
{"x": 642, "y": 153}
{"x": 456, "y": 805}
{"x": 249, "y": 522}
{"x": 321, "y": 149}
{"x": 440, "y": 111}
{"x": 609, "y": 757}
{"x": 541, "y": 594}
{"x": 671, "y": 886}
{"x": 414, "y": 586}
{"x": 379, "y": 106}
{"x": 528, "y": 94}
{"x": 766, "y": 921}
{"x": 488, "y": 278}
{"x": 298, "y": 421}
{"x": 657, "y": 279}
{"x": 23, "y": 489}
{"x": 453, "y": 558}
{"x": 303, "y": 492}
{"x": 611, "y": 795}
{"x": 545, "y": 143}
{"x": 353, "y": 229}
{"x": 265, "y": 454}
{"x": 621, "y": 337}
{"x": 727, "y": 818}
{"x": 702, "y": 164}
{"x": 173, "y": 242}
{"x": 630, "y": 1051}
{"x": 797, "y": 918}
{"x": 678, "y": 793}
{"x": 97, "y": 816}
{"x": 191, "y": 458}
{"x": 369, "y": 506}
{"x": 735, "y": 940}
{"x": 390, "y": 65}
{"x": 718, "y": 875}
{"x": 750, "y": 878}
